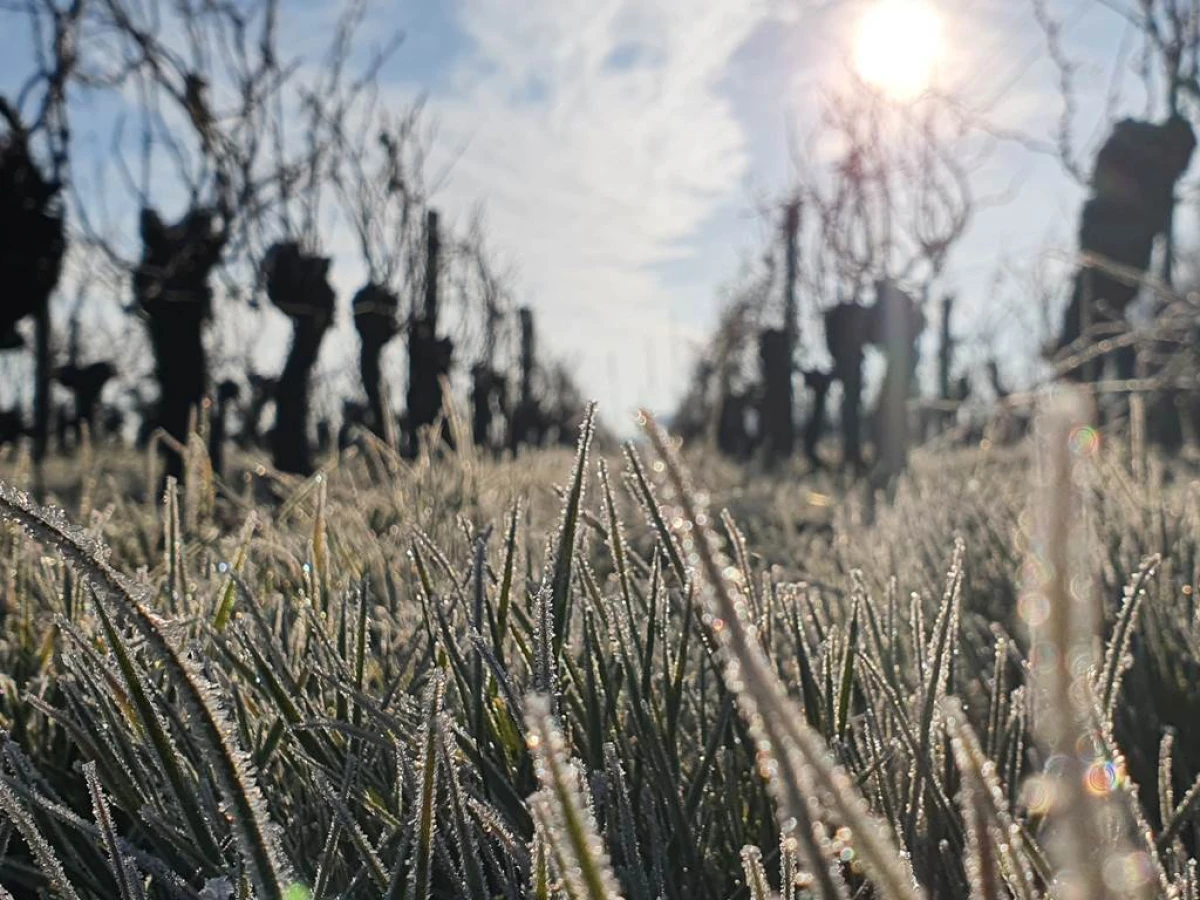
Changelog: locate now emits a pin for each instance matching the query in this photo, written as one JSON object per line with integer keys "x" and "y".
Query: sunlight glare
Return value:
{"x": 897, "y": 46}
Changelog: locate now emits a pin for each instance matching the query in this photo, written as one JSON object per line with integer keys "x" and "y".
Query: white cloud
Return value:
{"x": 599, "y": 139}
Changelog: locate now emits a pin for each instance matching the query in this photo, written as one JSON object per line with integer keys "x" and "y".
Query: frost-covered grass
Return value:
{"x": 603, "y": 676}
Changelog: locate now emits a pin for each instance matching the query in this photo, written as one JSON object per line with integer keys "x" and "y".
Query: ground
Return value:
{"x": 574, "y": 676}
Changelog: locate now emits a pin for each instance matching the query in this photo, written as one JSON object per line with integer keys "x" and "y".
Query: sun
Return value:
{"x": 897, "y": 46}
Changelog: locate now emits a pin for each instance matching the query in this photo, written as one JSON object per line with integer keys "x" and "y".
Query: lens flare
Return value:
{"x": 1103, "y": 777}
{"x": 1085, "y": 441}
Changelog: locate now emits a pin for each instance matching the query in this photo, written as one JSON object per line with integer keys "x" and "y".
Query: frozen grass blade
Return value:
{"x": 1180, "y": 817}
{"x": 570, "y": 828}
{"x": 846, "y": 683}
{"x": 999, "y": 698}
{"x": 616, "y": 541}
{"x": 173, "y": 545}
{"x": 224, "y": 611}
{"x": 123, "y": 872}
{"x": 545, "y": 666}
{"x": 564, "y": 554}
{"x": 540, "y": 887}
{"x": 504, "y": 593}
{"x": 645, "y": 494}
{"x": 1116, "y": 659}
{"x": 421, "y": 873}
{"x": 756, "y": 875}
{"x": 945, "y": 634}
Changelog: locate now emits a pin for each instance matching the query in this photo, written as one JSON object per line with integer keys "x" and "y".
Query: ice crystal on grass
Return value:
{"x": 719, "y": 705}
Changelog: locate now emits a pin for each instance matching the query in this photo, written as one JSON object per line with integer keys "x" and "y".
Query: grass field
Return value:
{"x": 601, "y": 676}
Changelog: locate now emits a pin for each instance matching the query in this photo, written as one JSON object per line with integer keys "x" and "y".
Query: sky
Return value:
{"x": 622, "y": 151}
